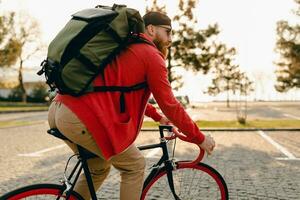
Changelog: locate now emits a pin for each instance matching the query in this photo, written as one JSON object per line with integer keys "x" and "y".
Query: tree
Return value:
{"x": 39, "y": 92}
{"x": 27, "y": 34}
{"x": 228, "y": 77}
{"x": 192, "y": 48}
{"x": 9, "y": 44}
{"x": 26, "y": 41}
{"x": 15, "y": 94}
{"x": 288, "y": 47}
{"x": 156, "y": 7}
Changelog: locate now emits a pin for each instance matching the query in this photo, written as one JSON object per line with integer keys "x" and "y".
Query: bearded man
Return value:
{"x": 99, "y": 123}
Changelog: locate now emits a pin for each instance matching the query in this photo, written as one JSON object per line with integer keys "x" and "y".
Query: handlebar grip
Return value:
{"x": 184, "y": 138}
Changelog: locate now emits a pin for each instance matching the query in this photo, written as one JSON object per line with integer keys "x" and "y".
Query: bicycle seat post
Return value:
{"x": 83, "y": 157}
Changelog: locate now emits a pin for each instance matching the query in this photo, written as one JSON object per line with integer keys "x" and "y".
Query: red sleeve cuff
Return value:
{"x": 199, "y": 138}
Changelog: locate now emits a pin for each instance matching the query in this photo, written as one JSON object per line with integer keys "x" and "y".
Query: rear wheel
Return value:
{"x": 191, "y": 182}
{"x": 40, "y": 191}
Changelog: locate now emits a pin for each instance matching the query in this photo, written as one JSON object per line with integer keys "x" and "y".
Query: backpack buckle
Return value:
{"x": 40, "y": 72}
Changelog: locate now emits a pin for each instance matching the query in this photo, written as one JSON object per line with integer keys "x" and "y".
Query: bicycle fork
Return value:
{"x": 69, "y": 186}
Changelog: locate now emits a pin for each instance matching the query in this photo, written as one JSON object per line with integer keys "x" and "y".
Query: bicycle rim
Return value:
{"x": 191, "y": 183}
{"x": 39, "y": 192}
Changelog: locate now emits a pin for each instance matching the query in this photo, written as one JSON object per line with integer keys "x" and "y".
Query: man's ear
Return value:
{"x": 150, "y": 30}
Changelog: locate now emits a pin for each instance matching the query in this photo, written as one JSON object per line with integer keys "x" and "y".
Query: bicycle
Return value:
{"x": 168, "y": 179}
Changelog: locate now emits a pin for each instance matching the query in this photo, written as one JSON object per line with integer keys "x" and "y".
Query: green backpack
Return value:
{"x": 84, "y": 47}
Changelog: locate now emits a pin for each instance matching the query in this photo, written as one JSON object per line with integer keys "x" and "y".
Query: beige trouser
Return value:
{"x": 130, "y": 163}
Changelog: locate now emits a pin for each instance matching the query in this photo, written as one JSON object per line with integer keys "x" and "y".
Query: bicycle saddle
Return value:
{"x": 56, "y": 133}
{"x": 82, "y": 151}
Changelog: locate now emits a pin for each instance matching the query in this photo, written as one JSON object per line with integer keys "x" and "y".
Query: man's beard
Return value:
{"x": 163, "y": 47}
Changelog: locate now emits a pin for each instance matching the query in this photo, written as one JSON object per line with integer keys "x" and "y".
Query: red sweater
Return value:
{"x": 114, "y": 131}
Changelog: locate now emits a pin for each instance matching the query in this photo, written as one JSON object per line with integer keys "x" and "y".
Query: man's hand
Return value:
{"x": 208, "y": 144}
{"x": 164, "y": 121}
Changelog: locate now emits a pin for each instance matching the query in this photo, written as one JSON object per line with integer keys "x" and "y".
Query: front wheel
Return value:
{"x": 190, "y": 182}
{"x": 40, "y": 191}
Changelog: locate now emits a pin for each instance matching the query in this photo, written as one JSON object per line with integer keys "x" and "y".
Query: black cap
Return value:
{"x": 156, "y": 18}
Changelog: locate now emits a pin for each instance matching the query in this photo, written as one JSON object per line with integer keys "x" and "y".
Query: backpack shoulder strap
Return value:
{"x": 139, "y": 39}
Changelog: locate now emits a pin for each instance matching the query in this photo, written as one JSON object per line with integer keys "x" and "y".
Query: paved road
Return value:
{"x": 27, "y": 116}
{"x": 255, "y": 165}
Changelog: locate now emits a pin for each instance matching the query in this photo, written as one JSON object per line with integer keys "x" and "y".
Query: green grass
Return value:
{"x": 23, "y": 108}
{"x": 17, "y": 106}
{"x": 5, "y": 124}
{"x": 235, "y": 124}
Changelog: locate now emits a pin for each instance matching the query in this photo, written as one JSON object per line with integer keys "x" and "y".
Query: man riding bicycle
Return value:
{"x": 95, "y": 122}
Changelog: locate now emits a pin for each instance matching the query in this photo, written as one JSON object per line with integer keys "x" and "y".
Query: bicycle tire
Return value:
{"x": 39, "y": 191}
{"x": 210, "y": 184}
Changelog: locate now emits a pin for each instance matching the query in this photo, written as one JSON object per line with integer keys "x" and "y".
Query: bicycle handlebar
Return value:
{"x": 183, "y": 137}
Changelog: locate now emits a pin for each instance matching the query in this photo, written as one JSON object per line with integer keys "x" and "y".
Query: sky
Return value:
{"x": 247, "y": 25}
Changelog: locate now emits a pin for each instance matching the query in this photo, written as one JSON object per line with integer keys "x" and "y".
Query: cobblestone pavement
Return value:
{"x": 246, "y": 160}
